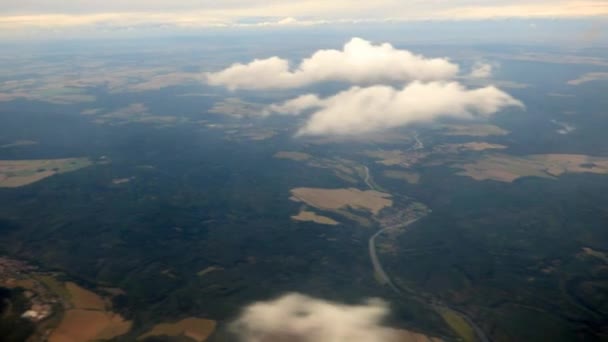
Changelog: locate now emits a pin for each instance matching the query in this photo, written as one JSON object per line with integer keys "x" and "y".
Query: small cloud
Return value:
{"x": 287, "y": 21}
{"x": 376, "y": 108}
{"x": 565, "y": 128}
{"x": 299, "y": 318}
{"x": 481, "y": 70}
{"x": 358, "y": 62}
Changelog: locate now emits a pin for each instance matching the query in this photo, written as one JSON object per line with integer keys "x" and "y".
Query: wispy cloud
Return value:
{"x": 44, "y": 14}
{"x": 529, "y": 9}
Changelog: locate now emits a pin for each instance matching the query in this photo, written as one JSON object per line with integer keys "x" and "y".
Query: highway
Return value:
{"x": 378, "y": 269}
{"x": 385, "y": 279}
{"x": 367, "y": 178}
{"x": 418, "y": 145}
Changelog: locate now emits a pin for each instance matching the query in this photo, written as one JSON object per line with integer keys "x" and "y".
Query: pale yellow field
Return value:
{"x": 88, "y": 319}
{"x": 197, "y": 329}
{"x": 332, "y": 199}
{"x": 313, "y": 217}
{"x": 506, "y": 168}
{"x": 80, "y": 325}
{"x": 297, "y": 156}
{"x": 410, "y": 177}
{"x": 16, "y": 173}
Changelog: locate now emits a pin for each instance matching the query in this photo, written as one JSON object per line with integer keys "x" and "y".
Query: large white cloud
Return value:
{"x": 362, "y": 110}
{"x": 358, "y": 62}
{"x": 299, "y": 318}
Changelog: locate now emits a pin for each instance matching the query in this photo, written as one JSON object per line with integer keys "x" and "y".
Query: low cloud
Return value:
{"x": 481, "y": 70}
{"x": 288, "y": 21}
{"x": 369, "y": 109}
{"x": 358, "y": 62}
{"x": 298, "y": 318}
{"x": 528, "y": 9}
{"x": 22, "y": 16}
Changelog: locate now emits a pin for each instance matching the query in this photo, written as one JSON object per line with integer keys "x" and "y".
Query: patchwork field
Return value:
{"x": 250, "y": 133}
{"x": 19, "y": 143}
{"x": 297, "y": 156}
{"x": 313, "y": 217}
{"x": 470, "y": 146}
{"x": 333, "y": 199}
{"x": 135, "y": 112}
{"x": 473, "y": 130}
{"x": 410, "y": 177}
{"x": 31, "y": 90}
{"x": 506, "y": 168}
{"x": 236, "y": 107}
{"x": 118, "y": 181}
{"x": 88, "y": 318}
{"x": 197, "y": 329}
{"x": 396, "y": 157}
{"x": 16, "y": 173}
{"x": 208, "y": 270}
{"x": 596, "y": 254}
{"x": 347, "y": 170}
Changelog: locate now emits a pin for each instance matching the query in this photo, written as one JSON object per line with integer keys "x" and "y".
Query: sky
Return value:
{"x": 39, "y": 16}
